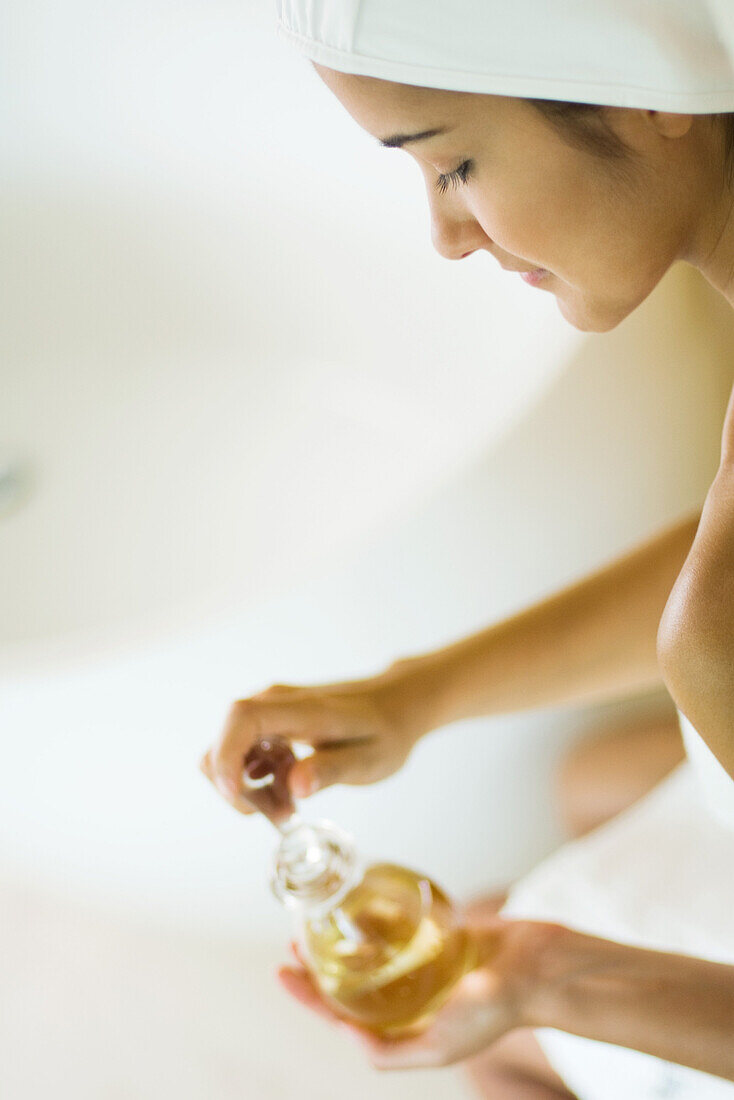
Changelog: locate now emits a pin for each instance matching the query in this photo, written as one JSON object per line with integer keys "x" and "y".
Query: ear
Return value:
{"x": 670, "y": 125}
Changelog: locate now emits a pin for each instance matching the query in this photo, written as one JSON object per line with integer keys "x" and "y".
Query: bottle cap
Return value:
{"x": 265, "y": 780}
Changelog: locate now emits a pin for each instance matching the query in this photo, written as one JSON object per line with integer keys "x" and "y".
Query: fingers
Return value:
{"x": 238, "y": 801}
{"x": 248, "y": 721}
{"x": 400, "y": 1053}
{"x": 333, "y": 764}
{"x": 296, "y": 951}
{"x": 470, "y": 1020}
{"x": 298, "y": 982}
{"x": 243, "y": 727}
{"x": 384, "y": 1053}
{"x": 448, "y": 1039}
{"x": 344, "y": 735}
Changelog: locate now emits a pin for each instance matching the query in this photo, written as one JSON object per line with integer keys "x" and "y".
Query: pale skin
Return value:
{"x": 662, "y": 613}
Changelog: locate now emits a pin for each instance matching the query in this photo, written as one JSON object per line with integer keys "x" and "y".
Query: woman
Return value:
{"x": 589, "y": 146}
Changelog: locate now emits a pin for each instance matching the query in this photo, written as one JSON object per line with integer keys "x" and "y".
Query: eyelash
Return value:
{"x": 455, "y": 178}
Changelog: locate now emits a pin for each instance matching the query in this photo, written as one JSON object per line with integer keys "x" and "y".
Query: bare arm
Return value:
{"x": 678, "y": 1008}
{"x": 696, "y": 637}
{"x": 592, "y": 641}
{"x": 536, "y": 974}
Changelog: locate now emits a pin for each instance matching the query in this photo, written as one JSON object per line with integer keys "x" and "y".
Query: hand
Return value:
{"x": 361, "y": 731}
{"x": 485, "y": 1004}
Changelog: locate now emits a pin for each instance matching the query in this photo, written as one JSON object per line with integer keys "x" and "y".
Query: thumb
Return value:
{"x": 250, "y": 720}
{"x": 327, "y": 766}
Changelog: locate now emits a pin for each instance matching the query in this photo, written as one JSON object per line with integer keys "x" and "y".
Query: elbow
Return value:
{"x": 690, "y": 653}
{"x": 694, "y": 650}
{"x": 672, "y": 652}
{"x": 695, "y": 641}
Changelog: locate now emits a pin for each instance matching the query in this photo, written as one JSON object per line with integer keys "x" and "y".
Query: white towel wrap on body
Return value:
{"x": 661, "y": 875}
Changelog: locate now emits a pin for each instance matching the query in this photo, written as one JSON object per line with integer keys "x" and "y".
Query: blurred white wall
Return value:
{"x": 214, "y": 284}
{"x": 267, "y": 434}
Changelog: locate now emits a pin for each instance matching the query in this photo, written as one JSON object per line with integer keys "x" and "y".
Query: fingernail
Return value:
{"x": 226, "y": 786}
{"x": 296, "y": 953}
{"x": 305, "y": 785}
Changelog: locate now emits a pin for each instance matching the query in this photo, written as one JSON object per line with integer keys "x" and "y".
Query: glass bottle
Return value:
{"x": 383, "y": 943}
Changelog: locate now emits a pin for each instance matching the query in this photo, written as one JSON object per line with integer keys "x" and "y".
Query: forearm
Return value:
{"x": 592, "y": 641}
{"x": 678, "y": 1008}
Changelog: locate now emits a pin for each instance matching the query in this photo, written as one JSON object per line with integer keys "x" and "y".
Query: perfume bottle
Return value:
{"x": 383, "y": 943}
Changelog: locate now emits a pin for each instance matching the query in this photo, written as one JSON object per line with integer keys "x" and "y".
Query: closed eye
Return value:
{"x": 455, "y": 178}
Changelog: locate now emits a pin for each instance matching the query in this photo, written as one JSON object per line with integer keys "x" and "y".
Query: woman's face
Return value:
{"x": 501, "y": 178}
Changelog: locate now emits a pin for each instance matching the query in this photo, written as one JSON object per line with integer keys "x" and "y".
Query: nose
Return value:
{"x": 455, "y": 232}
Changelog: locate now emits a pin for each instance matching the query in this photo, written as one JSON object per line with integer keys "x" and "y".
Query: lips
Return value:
{"x": 531, "y": 275}
{"x": 534, "y": 276}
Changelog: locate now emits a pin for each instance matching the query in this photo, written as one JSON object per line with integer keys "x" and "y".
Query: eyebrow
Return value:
{"x": 397, "y": 141}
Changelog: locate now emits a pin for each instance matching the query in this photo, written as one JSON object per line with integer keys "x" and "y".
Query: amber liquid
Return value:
{"x": 390, "y": 952}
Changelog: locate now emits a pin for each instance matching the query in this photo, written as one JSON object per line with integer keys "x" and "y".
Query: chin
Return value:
{"x": 592, "y": 316}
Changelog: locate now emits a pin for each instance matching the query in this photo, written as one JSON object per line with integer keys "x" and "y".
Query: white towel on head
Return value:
{"x": 668, "y": 55}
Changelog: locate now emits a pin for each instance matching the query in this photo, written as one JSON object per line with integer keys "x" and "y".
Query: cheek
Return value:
{"x": 519, "y": 224}
{"x": 544, "y": 219}
{"x": 606, "y": 248}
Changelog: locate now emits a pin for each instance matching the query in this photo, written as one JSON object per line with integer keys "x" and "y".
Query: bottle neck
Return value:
{"x": 315, "y": 865}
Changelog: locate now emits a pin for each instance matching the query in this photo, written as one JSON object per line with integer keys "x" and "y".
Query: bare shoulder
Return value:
{"x": 696, "y": 635}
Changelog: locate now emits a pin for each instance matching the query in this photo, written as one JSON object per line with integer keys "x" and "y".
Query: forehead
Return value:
{"x": 382, "y": 106}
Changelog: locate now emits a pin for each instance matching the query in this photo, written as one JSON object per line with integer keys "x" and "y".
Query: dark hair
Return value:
{"x": 586, "y": 125}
